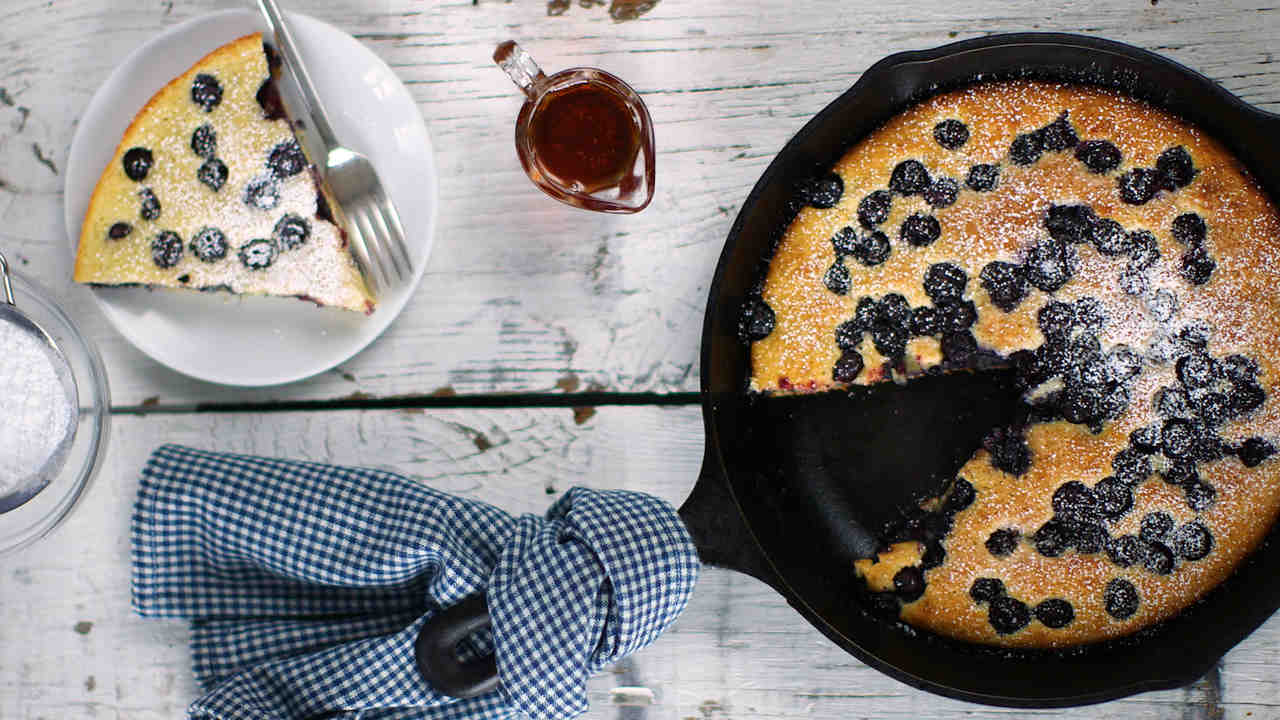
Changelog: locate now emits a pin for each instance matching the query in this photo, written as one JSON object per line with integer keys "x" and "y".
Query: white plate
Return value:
{"x": 254, "y": 341}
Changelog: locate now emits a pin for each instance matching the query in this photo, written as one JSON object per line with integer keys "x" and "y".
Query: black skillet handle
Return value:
{"x": 719, "y": 532}
{"x": 435, "y": 651}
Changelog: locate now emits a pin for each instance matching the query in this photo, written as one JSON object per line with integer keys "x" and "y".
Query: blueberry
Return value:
{"x": 1121, "y": 364}
{"x": 1109, "y": 237}
{"x": 204, "y": 141}
{"x": 1005, "y": 283}
{"x": 848, "y": 367}
{"x": 1070, "y": 223}
{"x": 1075, "y": 501}
{"x": 942, "y": 193}
{"x": 959, "y": 347}
{"x": 910, "y": 177}
{"x": 150, "y": 204}
{"x": 925, "y": 321}
{"x": 756, "y": 320}
{"x": 820, "y": 192}
{"x": 209, "y": 244}
{"x": 1082, "y": 405}
{"x": 1180, "y": 473}
{"x": 1172, "y": 402}
{"x": 1003, "y": 542}
{"x": 1138, "y": 186}
{"x": 1214, "y": 408}
{"x": 1145, "y": 439}
{"x": 944, "y": 280}
{"x": 1055, "y": 613}
{"x": 1254, "y": 451}
{"x": 291, "y": 231}
{"x": 1126, "y": 550}
{"x": 890, "y": 340}
{"x": 933, "y": 555}
{"x": 1192, "y": 541}
{"x": 1197, "y": 267}
{"x": 137, "y": 163}
{"x": 1246, "y": 396}
{"x": 1090, "y": 537}
{"x": 258, "y": 254}
{"x": 951, "y": 134}
{"x": 1155, "y": 526}
{"x": 262, "y": 193}
{"x": 909, "y": 583}
{"x": 837, "y": 278}
{"x": 119, "y": 230}
{"x": 213, "y": 173}
{"x": 268, "y": 97}
{"x": 1100, "y": 156}
{"x": 1144, "y": 251}
{"x": 1158, "y": 559}
{"x": 1059, "y": 135}
{"x": 1189, "y": 229}
{"x": 920, "y": 230}
{"x": 1114, "y": 497}
{"x": 1240, "y": 368}
{"x": 983, "y": 177}
{"x": 1209, "y": 447}
{"x": 1196, "y": 370}
{"x": 985, "y": 589}
{"x": 895, "y": 310}
{"x": 848, "y": 336}
{"x": 872, "y": 248}
{"x": 961, "y": 496}
{"x": 1133, "y": 283}
{"x": 1200, "y": 495}
{"x": 286, "y": 160}
{"x": 1120, "y": 598}
{"x": 874, "y": 208}
{"x": 1009, "y": 451}
{"x": 166, "y": 249}
{"x": 1008, "y": 615}
{"x": 1175, "y": 168}
{"x": 1056, "y": 319}
{"x": 956, "y": 315}
{"x": 1195, "y": 334}
{"x": 1163, "y": 305}
{"x": 866, "y": 313}
{"x": 1090, "y": 314}
{"x": 1050, "y": 265}
{"x": 845, "y": 241}
{"x": 1177, "y": 438}
{"x": 1026, "y": 148}
{"x": 206, "y": 91}
{"x": 1131, "y": 466}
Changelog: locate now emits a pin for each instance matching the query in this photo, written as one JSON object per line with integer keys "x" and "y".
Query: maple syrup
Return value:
{"x": 584, "y": 136}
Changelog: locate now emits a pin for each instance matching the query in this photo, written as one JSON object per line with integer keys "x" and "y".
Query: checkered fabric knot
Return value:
{"x": 306, "y": 585}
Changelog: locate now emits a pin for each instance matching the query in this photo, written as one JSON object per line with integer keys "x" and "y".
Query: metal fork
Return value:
{"x": 356, "y": 197}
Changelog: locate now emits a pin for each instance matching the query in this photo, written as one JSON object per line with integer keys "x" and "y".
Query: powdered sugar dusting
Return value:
{"x": 35, "y": 412}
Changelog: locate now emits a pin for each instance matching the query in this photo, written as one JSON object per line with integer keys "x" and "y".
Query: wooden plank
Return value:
{"x": 522, "y": 293}
{"x": 70, "y": 649}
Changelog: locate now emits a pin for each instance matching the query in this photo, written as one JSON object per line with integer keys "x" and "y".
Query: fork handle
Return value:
{"x": 310, "y": 98}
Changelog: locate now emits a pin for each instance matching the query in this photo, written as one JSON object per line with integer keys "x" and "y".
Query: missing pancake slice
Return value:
{"x": 210, "y": 190}
{"x": 1124, "y": 265}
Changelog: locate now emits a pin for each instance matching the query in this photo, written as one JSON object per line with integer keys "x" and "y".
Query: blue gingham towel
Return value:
{"x": 306, "y": 585}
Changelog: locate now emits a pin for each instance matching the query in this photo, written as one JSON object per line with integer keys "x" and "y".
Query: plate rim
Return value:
{"x": 76, "y": 162}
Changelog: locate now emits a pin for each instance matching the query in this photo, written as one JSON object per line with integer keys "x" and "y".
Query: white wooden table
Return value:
{"x": 525, "y": 298}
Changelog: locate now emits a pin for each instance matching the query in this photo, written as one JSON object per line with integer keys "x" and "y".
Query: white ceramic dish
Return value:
{"x": 254, "y": 341}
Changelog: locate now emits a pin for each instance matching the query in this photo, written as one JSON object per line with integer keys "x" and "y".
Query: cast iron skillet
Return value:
{"x": 789, "y": 486}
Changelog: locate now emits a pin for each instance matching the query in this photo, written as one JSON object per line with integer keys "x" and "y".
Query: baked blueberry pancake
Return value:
{"x": 209, "y": 190}
{"x": 1125, "y": 265}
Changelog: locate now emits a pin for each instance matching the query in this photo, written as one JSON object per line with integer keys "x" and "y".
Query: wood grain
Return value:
{"x": 71, "y": 649}
{"x": 522, "y": 292}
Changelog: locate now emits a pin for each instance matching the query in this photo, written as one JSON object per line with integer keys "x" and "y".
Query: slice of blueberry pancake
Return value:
{"x": 1125, "y": 265}
{"x": 209, "y": 190}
